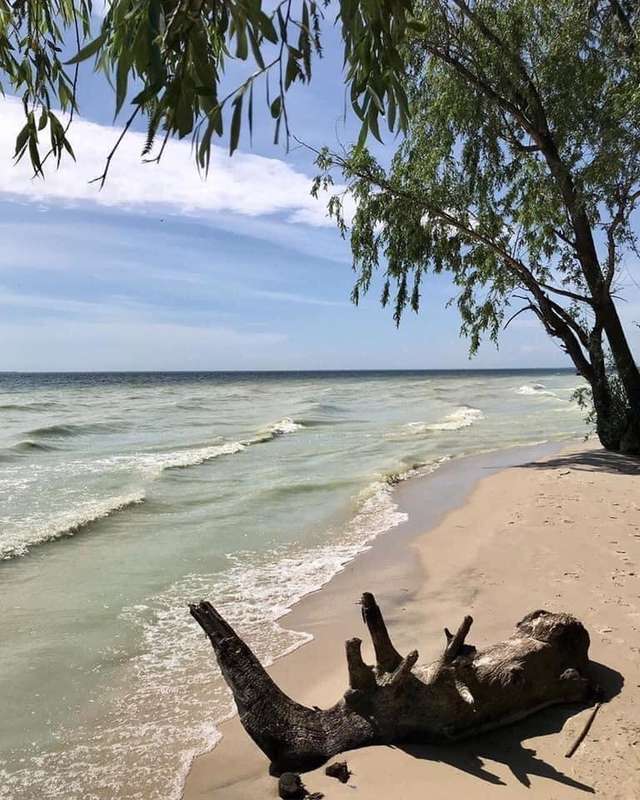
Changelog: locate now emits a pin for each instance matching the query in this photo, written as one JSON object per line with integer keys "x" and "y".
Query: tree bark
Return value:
{"x": 465, "y": 692}
{"x": 605, "y": 310}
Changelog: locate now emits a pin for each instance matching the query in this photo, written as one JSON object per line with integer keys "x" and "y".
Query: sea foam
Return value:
{"x": 284, "y": 425}
{"x": 534, "y": 389}
{"x": 152, "y": 465}
{"x": 19, "y": 541}
{"x": 462, "y": 417}
{"x": 174, "y": 694}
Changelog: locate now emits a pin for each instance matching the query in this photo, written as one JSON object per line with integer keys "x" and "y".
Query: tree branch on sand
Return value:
{"x": 465, "y": 692}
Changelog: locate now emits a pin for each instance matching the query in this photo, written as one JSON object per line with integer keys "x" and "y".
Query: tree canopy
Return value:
{"x": 175, "y": 52}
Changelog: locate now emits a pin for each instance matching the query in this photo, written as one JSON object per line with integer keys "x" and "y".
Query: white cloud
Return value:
{"x": 246, "y": 184}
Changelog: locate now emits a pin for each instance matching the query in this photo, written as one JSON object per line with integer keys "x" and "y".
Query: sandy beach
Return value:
{"x": 560, "y": 532}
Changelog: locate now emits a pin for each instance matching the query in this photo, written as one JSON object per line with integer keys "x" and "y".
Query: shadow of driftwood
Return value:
{"x": 506, "y": 745}
{"x": 591, "y": 461}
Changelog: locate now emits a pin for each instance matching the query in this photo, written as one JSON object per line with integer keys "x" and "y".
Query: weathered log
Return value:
{"x": 465, "y": 692}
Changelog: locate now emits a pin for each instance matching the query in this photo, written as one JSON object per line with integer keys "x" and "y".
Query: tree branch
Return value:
{"x": 528, "y": 307}
{"x": 101, "y": 179}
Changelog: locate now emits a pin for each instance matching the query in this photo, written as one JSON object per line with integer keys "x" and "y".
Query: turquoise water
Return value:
{"x": 123, "y": 497}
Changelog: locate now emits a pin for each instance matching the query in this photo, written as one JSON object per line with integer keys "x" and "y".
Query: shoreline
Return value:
{"x": 315, "y": 672}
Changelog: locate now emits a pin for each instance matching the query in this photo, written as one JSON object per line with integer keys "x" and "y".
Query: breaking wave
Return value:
{"x": 68, "y": 523}
{"x": 533, "y": 389}
{"x": 156, "y": 463}
{"x": 280, "y": 428}
{"x": 462, "y": 417}
{"x": 160, "y": 711}
{"x": 284, "y": 425}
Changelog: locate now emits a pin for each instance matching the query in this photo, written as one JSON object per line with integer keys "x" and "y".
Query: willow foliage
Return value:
{"x": 175, "y": 52}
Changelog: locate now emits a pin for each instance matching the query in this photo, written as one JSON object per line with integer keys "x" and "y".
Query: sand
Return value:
{"x": 563, "y": 534}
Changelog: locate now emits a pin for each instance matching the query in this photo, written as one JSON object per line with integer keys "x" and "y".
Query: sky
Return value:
{"x": 163, "y": 270}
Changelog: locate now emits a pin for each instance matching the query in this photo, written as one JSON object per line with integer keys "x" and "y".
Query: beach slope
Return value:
{"x": 562, "y": 534}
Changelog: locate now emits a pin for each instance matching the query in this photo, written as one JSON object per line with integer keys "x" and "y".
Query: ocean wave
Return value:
{"x": 280, "y": 428}
{"x": 160, "y": 714}
{"x": 534, "y": 389}
{"x": 284, "y": 425}
{"x": 29, "y": 446}
{"x": 329, "y": 408}
{"x": 64, "y": 430}
{"x": 34, "y": 406}
{"x": 178, "y": 459}
{"x": 315, "y": 422}
{"x": 462, "y": 417}
{"x": 418, "y": 468}
{"x": 152, "y": 465}
{"x": 35, "y": 532}
{"x": 291, "y": 489}
{"x": 254, "y": 593}
{"x": 30, "y": 531}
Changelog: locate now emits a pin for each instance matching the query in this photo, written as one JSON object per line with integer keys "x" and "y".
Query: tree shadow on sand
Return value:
{"x": 506, "y": 745}
{"x": 591, "y": 461}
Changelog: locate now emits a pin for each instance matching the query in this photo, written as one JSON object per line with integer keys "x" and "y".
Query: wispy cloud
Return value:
{"x": 100, "y": 344}
{"x": 294, "y": 297}
{"x": 247, "y": 185}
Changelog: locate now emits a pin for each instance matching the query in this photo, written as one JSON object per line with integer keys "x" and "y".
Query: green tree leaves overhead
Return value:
{"x": 175, "y": 52}
{"x": 31, "y": 38}
{"x": 519, "y": 174}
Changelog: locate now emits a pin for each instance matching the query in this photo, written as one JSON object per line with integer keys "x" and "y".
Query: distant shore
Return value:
{"x": 561, "y": 533}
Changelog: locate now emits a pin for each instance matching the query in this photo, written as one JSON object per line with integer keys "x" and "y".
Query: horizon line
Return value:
{"x": 277, "y": 371}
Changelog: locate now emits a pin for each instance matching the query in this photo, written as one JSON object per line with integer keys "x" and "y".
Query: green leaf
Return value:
{"x": 21, "y": 141}
{"x": 391, "y": 112}
{"x": 67, "y": 146}
{"x": 89, "y": 50}
{"x": 276, "y": 136}
{"x": 122, "y": 78}
{"x": 267, "y": 28}
{"x": 146, "y": 94}
{"x": 255, "y": 48}
{"x": 376, "y": 99}
{"x": 35, "y": 155}
{"x": 236, "y": 120}
{"x": 292, "y": 71}
{"x": 241, "y": 44}
{"x": 250, "y": 113}
{"x": 276, "y": 107}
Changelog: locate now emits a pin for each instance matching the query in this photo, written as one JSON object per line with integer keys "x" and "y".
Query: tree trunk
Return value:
{"x": 465, "y": 692}
{"x": 628, "y": 438}
{"x": 617, "y": 416}
{"x": 629, "y": 375}
{"x": 621, "y": 352}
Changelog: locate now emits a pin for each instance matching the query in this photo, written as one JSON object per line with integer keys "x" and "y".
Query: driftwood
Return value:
{"x": 585, "y": 729}
{"x": 465, "y": 692}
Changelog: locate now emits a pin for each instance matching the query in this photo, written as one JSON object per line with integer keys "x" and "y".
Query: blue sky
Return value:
{"x": 162, "y": 270}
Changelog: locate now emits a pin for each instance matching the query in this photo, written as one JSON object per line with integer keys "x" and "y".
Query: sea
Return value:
{"x": 123, "y": 497}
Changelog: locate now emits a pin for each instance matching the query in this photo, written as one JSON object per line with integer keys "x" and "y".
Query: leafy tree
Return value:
{"x": 518, "y": 171}
{"x": 519, "y": 174}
